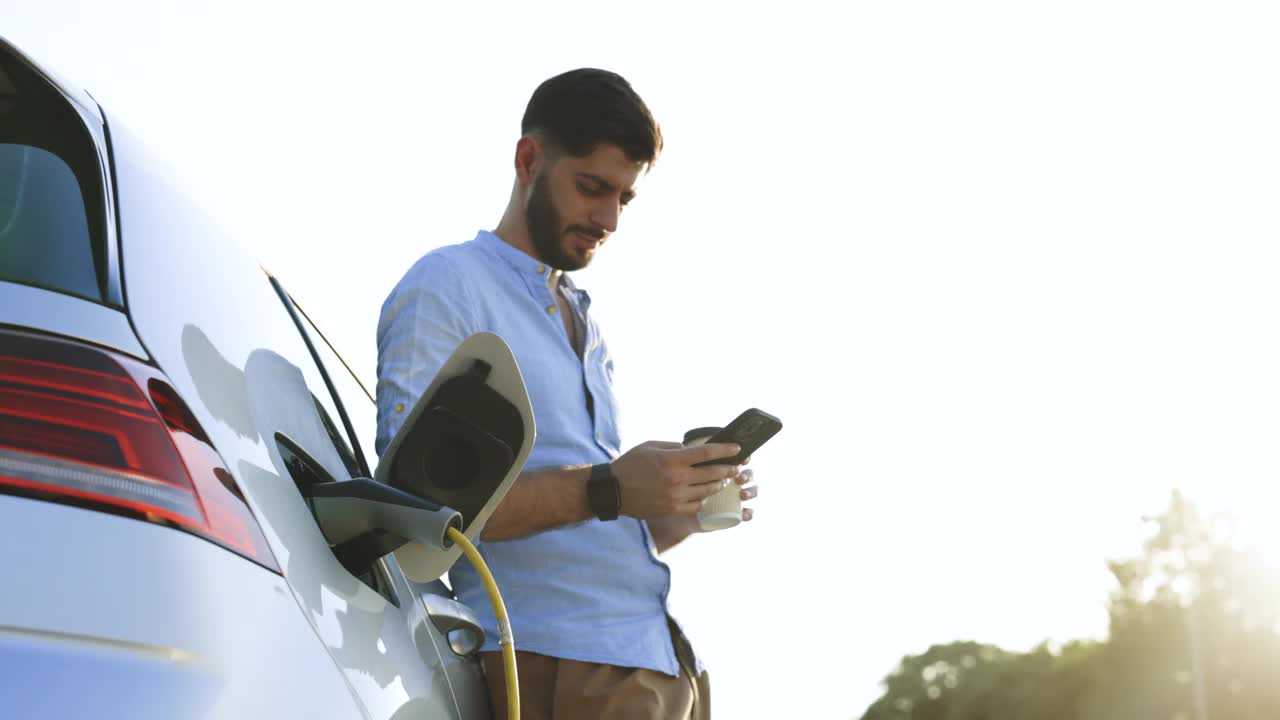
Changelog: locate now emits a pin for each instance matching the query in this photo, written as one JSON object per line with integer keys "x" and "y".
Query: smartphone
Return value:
{"x": 749, "y": 431}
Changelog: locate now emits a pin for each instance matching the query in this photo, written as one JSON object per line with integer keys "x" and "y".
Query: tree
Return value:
{"x": 1194, "y": 621}
{"x": 1194, "y": 634}
{"x": 971, "y": 681}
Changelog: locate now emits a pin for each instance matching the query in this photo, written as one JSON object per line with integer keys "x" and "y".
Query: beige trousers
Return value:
{"x": 558, "y": 689}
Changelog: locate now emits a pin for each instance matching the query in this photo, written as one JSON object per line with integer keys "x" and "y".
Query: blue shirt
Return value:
{"x": 591, "y": 591}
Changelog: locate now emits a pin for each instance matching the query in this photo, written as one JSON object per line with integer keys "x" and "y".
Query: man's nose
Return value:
{"x": 605, "y": 216}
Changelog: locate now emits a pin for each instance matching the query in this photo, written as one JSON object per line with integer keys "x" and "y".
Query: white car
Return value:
{"x": 180, "y": 534}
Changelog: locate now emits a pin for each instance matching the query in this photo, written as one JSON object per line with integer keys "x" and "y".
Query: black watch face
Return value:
{"x": 602, "y": 493}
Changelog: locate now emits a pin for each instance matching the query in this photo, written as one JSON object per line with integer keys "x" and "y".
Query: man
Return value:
{"x": 574, "y": 543}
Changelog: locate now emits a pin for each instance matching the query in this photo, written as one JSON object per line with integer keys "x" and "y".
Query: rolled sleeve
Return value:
{"x": 423, "y": 321}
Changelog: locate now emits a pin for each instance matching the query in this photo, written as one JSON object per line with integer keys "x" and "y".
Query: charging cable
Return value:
{"x": 505, "y": 638}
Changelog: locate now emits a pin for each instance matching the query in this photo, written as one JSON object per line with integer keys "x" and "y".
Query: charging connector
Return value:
{"x": 359, "y": 508}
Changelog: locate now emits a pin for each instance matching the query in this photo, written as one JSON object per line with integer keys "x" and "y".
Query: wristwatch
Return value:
{"x": 604, "y": 497}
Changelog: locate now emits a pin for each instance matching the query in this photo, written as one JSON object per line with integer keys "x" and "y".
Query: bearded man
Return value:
{"x": 575, "y": 543}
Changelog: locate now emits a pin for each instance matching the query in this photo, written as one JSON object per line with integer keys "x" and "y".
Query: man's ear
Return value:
{"x": 529, "y": 156}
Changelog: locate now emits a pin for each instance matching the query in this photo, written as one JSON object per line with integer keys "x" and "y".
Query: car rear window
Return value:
{"x": 52, "y": 225}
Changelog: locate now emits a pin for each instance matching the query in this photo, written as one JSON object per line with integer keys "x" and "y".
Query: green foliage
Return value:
{"x": 1194, "y": 633}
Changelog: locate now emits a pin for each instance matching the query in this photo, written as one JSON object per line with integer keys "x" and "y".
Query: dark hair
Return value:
{"x": 579, "y": 110}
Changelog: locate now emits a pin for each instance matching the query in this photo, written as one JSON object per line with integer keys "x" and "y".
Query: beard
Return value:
{"x": 543, "y": 220}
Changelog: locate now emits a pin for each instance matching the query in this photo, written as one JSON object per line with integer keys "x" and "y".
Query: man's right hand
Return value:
{"x": 658, "y": 478}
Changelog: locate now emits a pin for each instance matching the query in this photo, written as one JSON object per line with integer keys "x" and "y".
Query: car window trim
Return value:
{"x": 296, "y": 313}
{"x": 94, "y": 121}
{"x": 336, "y": 354}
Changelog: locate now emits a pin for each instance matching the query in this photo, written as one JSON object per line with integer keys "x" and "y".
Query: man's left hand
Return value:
{"x": 670, "y": 530}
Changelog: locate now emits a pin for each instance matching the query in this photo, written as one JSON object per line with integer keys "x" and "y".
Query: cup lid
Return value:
{"x": 696, "y": 433}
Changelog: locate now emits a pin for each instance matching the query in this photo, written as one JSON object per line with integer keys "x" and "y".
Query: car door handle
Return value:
{"x": 455, "y": 621}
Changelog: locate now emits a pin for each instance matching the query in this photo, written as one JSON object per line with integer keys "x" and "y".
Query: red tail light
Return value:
{"x": 76, "y": 426}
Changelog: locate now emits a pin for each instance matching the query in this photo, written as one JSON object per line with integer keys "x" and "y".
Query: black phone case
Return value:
{"x": 749, "y": 430}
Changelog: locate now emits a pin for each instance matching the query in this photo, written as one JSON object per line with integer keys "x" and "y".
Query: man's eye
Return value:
{"x": 588, "y": 189}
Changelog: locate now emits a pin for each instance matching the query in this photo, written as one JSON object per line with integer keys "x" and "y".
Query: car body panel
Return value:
{"x": 138, "y": 611}
{"x": 73, "y": 317}
{"x": 210, "y": 318}
{"x": 466, "y": 678}
{"x": 203, "y": 632}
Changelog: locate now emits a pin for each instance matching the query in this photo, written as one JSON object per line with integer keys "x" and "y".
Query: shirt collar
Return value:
{"x": 513, "y": 256}
{"x": 530, "y": 269}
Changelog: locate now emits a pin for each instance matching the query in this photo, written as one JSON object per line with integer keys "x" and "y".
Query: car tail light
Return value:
{"x": 76, "y": 426}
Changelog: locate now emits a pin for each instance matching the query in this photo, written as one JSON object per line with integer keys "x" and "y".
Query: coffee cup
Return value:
{"x": 724, "y": 509}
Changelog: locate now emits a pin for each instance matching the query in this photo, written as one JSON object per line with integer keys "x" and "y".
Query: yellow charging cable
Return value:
{"x": 505, "y": 638}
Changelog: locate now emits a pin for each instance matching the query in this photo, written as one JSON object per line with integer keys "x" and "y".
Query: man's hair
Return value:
{"x": 580, "y": 110}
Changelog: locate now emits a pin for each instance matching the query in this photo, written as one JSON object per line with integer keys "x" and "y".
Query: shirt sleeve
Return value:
{"x": 423, "y": 321}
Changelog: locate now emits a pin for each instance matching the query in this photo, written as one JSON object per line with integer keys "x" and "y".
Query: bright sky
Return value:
{"x": 1007, "y": 271}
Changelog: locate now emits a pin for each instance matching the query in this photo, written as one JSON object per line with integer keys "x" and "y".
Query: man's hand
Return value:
{"x": 671, "y": 530}
{"x": 658, "y": 478}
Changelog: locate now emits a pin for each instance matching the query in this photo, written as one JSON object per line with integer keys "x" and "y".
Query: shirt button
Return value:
{"x": 551, "y": 309}
{"x": 399, "y": 407}
{"x": 542, "y": 269}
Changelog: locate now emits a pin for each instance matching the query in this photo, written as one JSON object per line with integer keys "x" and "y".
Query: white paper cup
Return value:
{"x": 724, "y": 509}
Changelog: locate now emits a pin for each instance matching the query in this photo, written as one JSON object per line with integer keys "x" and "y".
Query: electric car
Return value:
{"x": 168, "y": 418}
